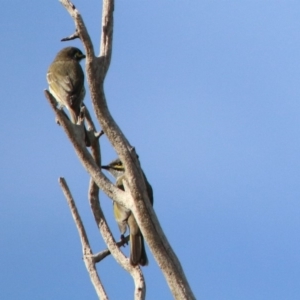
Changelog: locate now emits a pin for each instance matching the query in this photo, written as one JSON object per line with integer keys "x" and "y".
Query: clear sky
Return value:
{"x": 208, "y": 93}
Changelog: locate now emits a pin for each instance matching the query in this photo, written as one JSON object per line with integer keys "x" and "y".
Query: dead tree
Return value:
{"x": 134, "y": 197}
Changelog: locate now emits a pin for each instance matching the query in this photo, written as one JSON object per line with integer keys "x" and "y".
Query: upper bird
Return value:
{"x": 125, "y": 218}
{"x": 66, "y": 80}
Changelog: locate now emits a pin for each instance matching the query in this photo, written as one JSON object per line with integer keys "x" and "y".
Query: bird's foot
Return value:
{"x": 124, "y": 241}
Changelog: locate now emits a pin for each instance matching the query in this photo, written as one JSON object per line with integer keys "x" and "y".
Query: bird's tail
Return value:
{"x": 137, "y": 250}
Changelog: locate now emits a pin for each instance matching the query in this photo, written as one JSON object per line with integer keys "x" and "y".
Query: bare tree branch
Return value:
{"x": 86, "y": 249}
{"x": 107, "y": 34}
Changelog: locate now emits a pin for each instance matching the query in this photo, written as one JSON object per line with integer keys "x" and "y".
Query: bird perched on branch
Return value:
{"x": 125, "y": 218}
{"x": 66, "y": 80}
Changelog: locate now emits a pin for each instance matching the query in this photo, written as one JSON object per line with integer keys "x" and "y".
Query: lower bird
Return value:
{"x": 125, "y": 218}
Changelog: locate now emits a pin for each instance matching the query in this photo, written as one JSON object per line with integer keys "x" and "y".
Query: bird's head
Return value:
{"x": 70, "y": 53}
{"x": 116, "y": 168}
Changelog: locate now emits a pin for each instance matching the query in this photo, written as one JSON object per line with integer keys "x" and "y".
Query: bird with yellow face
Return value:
{"x": 125, "y": 218}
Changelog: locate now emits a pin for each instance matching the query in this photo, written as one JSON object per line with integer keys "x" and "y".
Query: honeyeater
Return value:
{"x": 66, "y": 80}
{"x": 125, "y": 218}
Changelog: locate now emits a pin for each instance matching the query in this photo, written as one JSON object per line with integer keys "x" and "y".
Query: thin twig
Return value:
{"x": 104, "y": 253}
{"x": 71, "y": 37}
{"x": 86, "y": 249}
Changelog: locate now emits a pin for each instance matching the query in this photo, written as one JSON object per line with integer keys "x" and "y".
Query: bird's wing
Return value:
{"x": 120, "y": 212}
{"x": 66, "y": 80}
{"x": 121, "y": 215}
{"x": 59, "y": 83}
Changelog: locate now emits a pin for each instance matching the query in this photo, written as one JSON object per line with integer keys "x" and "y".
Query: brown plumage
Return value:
{"x": 66, "y": 80}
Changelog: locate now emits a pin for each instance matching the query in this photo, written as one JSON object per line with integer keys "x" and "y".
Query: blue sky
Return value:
{"x": 208, "y": 93}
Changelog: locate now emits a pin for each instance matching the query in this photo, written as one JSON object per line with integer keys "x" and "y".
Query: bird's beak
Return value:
{"x": 82, "y": 56}
{"x": 105, "y": 167}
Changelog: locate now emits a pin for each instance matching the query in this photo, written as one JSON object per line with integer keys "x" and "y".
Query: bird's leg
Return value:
{"x": 123, "y": 239}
